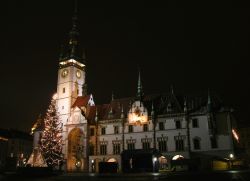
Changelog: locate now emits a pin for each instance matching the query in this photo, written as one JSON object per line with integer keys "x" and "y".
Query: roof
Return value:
{"x": 81, "y": 101}
{"x": 166, "y": 103}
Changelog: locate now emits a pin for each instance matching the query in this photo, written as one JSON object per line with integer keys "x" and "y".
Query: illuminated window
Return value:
{"x": 116, "y": 129}
{"x": 64, "y": 90}
{"x": 145, "y": 127}
{"x": 103, "y": 130}
{"x": 130, "y": 128}
{"x": 196, "y": 142}
{"x": 161, "y": 126}
{"x": 178, "y": 124}
{"x": 195, "y": 123}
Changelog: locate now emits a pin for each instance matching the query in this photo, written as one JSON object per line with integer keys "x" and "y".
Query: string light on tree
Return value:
{"x": 51, "y": 140}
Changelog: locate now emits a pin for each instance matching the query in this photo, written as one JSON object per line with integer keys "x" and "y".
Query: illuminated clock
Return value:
{"x": 65, "y": 72}
{"x": 78, "y": 74}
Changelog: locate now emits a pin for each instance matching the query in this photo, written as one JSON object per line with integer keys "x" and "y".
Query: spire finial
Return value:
{"x": 112, "y": 96}
{"x": 209, "y": 103}
{"x": 185, "y": 105}
{"x": 122, "y": 112}
{"x": 172, "y": 89}
{"x": 152, "y": 110}
{"x": 139, "y": 85}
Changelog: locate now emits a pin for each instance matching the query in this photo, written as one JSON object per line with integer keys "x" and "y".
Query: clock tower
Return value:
{"x": 71, "y": 77}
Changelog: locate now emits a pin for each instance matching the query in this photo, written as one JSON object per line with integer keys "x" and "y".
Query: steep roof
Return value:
{"x": 81, "y": 101}
{"x": 166, "y": 103}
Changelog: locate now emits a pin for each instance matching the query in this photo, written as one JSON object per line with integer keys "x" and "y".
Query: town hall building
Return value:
{"x": 142, "y": 132}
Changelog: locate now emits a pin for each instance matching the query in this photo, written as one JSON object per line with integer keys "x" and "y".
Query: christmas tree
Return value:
{"x": 51, "y": 140}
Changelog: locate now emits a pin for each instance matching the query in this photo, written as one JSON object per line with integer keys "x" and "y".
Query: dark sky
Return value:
{"x": 174, "y": 45}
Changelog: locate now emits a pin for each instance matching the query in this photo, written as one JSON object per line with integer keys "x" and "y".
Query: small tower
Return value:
{"x": 139, "y": 94}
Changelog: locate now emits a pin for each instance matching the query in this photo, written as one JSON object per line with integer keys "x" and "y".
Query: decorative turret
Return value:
{"x": 185, "y": 106}
{"x": 122, "y": 113}
{"x": 96, "y": 115}
{"x": 152, "y": 110}
{"x": 112, "y": 96}
{"x": 209, "y": 103}
{"x": 139, "y": 87}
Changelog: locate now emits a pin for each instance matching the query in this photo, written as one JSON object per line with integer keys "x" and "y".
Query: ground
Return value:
{"x": 177, "y": 176}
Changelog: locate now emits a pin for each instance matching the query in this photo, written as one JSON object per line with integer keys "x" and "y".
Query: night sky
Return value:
{"x": 192, "y": 50}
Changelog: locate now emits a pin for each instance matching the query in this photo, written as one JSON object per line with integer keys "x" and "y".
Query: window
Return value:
{"x": 213, "y": 141}
{"x": 116, "y": 129}
{"x": 131, "y": 146}
{"x": 145, "y": 145}
{"x": 116, "y": 148}
{"x": 179, "y": 145}
{"x": 62, "y": 107}
{"x": 145, "y": 127}
{"x": 162, "y": 144}
{"x": 178, "y": 124}
{"x": 195, "y": 123}
{"x": 196, "y": 142}
{"x": 92, "y": 131}
{"x": 161, "y": 126}
{"x": 103, "y": 130}
{"x": 130, "y": 128}
{"x": 91, "y": 149}
{"x": 77, "y": 91}
{"x": 103, "y": 149}
{"x": 64, "y": 90}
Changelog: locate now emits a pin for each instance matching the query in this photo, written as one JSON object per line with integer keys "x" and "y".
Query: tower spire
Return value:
{"x": 139, "y": 86}
{"x": 73, "y": 34}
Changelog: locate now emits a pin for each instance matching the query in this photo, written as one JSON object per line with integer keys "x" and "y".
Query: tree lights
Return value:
{"x": 51, "y": 140}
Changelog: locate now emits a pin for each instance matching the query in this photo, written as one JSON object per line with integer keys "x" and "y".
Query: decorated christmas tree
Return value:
{"x": 51, "y": 140}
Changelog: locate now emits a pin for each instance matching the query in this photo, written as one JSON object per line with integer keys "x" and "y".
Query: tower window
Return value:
{"x": 77, "y": 91}
{"x": 64, "y": 90}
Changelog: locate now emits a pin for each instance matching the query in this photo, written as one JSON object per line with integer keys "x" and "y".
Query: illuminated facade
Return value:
{"x": 177, "y": 127}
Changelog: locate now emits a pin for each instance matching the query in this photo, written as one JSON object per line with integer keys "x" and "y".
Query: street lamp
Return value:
{"x": 154, "y": 163}
{"x": 231, "y": 157}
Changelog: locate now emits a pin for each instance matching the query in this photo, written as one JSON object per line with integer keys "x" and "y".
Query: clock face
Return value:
{"x": 78, "y": 73}
{"x": 65, "y": 72}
